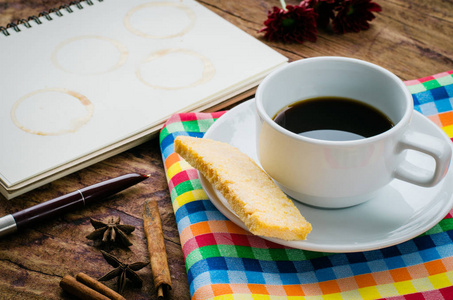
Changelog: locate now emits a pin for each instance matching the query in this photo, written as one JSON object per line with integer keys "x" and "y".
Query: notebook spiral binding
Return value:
{"x": 46, "y": 14}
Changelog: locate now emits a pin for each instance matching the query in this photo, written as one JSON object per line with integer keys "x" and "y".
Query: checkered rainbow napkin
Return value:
{"x": 224, "y": 261}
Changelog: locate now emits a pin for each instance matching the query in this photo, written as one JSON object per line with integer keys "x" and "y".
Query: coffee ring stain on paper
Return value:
{"x": 52, "y": 111}
{"x": 183, "y": 68}
{"x": 71, "y": 55}
{"x": 160, "y": 20}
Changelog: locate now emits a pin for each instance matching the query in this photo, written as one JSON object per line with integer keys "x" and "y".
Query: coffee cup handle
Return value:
{"x": 434, "y": 147}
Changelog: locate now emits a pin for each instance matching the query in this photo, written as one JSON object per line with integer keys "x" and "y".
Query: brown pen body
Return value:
{"x": 72, "y": 201}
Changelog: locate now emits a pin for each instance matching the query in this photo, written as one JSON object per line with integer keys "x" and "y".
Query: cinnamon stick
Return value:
{"x": 98, "y": 286}
{"x": 70, "y": 285}
{"x": 156, "y": 247}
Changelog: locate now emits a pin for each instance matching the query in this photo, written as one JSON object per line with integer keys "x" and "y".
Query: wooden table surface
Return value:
{"x": 412, "y": 38}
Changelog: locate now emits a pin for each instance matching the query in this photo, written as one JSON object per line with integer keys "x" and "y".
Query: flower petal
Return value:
{"x": 295, "y": 24}
{"x": 354, "y": 15}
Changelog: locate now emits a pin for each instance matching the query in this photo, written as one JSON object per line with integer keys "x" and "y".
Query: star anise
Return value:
{"x": 123, "y": 271}
{"x": 111, "y": 232}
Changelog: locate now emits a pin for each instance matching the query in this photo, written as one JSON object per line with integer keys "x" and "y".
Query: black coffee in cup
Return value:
{"x": 333, "y": 118}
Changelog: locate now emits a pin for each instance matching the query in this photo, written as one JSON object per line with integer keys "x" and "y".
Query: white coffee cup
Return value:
{"x": 335, "y": 174}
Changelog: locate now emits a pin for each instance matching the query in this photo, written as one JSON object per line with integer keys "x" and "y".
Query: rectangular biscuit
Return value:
{"x": 250, "y": 192}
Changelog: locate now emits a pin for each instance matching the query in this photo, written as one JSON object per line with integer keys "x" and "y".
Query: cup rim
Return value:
{"x": 400, "y": 124}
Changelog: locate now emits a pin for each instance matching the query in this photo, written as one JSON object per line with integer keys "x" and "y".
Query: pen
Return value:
{"x": 69, "y": 202}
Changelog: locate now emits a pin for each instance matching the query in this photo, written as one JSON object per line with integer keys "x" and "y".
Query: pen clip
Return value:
{"x": 83, "y": 197}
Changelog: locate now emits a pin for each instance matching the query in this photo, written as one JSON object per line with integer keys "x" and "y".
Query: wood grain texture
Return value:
{"x": 35, "y": 260}
{"x": 412, "y": 38}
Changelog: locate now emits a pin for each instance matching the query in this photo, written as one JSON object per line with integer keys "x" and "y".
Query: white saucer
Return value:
{"x": 401, "y": 212}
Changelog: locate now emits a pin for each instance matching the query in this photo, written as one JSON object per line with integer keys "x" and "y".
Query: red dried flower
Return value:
{"x": 296, "y": 23}
{"x": 324, "y": 10}
{"x": 354, "y": 15}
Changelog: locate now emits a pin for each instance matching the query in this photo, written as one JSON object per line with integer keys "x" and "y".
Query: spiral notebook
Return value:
{"x": 90, "y": 80}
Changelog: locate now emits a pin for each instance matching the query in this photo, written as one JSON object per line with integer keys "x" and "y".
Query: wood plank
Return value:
{"x": 412, "y": 38}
